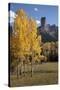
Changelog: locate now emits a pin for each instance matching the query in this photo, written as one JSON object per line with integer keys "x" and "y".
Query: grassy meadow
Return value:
{"x": 43, "y": 74}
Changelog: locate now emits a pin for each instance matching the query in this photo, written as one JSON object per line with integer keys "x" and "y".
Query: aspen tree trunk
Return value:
{"x": 24, "y": 67}
{"x": 31, "y": 69}
{"x": 17, "y": 69}
{"x": 32, "y": 65}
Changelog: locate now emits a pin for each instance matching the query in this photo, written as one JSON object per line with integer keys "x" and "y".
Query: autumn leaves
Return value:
{"x": 27, "y": 40}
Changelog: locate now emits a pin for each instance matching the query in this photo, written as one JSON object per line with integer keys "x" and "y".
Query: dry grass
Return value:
{"x": 44, "y": 74}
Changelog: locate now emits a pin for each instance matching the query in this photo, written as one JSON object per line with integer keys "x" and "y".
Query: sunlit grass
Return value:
{"x": 44, "y": 74}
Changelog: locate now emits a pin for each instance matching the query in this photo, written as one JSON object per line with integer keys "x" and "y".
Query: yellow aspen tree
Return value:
{"x": 25, "y": 39}
{"x": 35, "y": 40}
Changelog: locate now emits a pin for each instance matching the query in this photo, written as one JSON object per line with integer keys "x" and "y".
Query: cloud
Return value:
{"x": 38, "y": 22}
{"x": 11, "y": 20}
{"x": 35, "y": 9}
{"x": 12, "y": 15}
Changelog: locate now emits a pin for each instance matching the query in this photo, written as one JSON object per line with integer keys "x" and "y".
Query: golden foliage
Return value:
{"x": 25, "y": 39}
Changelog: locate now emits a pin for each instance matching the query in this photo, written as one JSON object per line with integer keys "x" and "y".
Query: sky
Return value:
{"x": 36, "y": 12}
